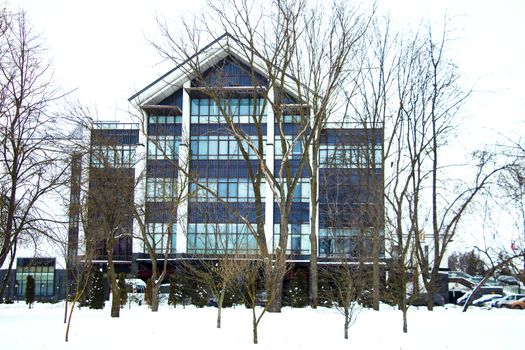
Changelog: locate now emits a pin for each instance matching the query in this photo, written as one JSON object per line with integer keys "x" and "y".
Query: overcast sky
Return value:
{"x": 99, "y": 48}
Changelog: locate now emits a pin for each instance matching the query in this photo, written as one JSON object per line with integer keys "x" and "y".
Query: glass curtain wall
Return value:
{"x": 162, "y": 187}
{"x": 43, "y": 271}
{"x": 221, "y": 190}
{"x": 299, "y": 218}
{"x": 350, "y": 192}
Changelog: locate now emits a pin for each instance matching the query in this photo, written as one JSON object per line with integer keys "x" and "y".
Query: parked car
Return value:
{"x": 506, "y": 300}
{"x": 261, "y": 298}
{"x": 463, "y": 299}
{"x": 483, "y": 291}
{"x": 510, "y": 280}
{"x": 487, "y": 298}
{"x": 518, "y": 304}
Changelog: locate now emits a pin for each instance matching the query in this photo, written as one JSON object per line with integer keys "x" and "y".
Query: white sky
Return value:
{"x": 100, "y": 49}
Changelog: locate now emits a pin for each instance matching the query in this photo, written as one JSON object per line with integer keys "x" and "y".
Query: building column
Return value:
{"x": 183, "y": 181}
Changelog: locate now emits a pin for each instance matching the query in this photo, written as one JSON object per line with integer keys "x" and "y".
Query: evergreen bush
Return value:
{"x": 233, "y": 296}
{"x": 176, "y": 296}
{"x": 123, "y": 292}
{"x": 296, "y": 290}
{"x": 96, "y": 294}
{"x": 30, "y": 291}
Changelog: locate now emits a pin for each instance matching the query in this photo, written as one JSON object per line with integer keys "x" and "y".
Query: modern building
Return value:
{"x": 111, "y": 193}
{"x": 50, "y": 280}
{"x": 200, "y": 200}
{"x": 198, "y": 196}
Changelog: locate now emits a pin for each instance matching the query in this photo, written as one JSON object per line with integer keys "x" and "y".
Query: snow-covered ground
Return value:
{"x": 139, "y": 328}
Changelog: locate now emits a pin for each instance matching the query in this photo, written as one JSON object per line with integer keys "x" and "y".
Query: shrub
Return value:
{"x": 296, "y": 290}
{"x": 123, "y": 292}
{"x": 96, "y": 294}
{"x": 30, "y": 291}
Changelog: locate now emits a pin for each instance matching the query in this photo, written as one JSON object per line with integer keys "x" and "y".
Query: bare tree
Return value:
{"x": 372, "y": 107}
{"x": 219, "y": 276}
{"x": 342, "y": 288}
{"x": 512, "y": 186}
{"x": 158, "y": 243}
{"x": 298, "y": 61}
{"x": 440, "y": 101}
{"x": 108, "y": 191}
{"x": 111, "y": 202}
{"x": 503, "y": 259}
{"x": 468, "y": 262}
{"x": 387, "y": 97}
{"x": 257, "y": 291}
{"x": 30, "y": 160}
{"x": 350, "y": 198}
{"x": 80, "y": 265}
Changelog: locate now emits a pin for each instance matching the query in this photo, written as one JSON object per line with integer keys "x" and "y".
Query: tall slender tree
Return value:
{"x": 30, "y": 161}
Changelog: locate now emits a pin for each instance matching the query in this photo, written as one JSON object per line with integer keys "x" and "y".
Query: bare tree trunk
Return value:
{"x": 314, "y": 272}
{"x": 277, "y": 301}
{"x": 375, "y": 270}
{"x": 8, "y": 272}
{"x": 155, "y": 297}
{"x": 405, "y": 322}
{"x": 69, "y": 321}
{"x": 279, "y": 269}
{"x": 403, "y": 302}
{"x": 347, "y": 322}
{"x": 254, "y": 324}
{"x": 403, "y": 305}
{"x": 65, "y": 310}
{"x": 314, "y": 278}
{"x": 154, "y": 302}
{"x": 115, "y": 300}
{"x": 219, "y": 304}
{"x": 431, "y": 290}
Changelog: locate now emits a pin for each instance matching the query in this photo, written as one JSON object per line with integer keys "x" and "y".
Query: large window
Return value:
{"x": 43, "y": 271}
{"x": 113, "y": 156}
{"x": 219, "y": 147}
{"x": 298, "y": 238}
{"x": 165, "y": 119}
{"x": 160, "y": 189}
{"x": 163, "y": 147}
{"x": 162, "y": 237}
{"x": 294, "y": 147}
{"x": 241, "y": 110}
{"x": 349, "y": 243}
{"x": 221, "y": 238}
{"x": 230, "y": 189}
{"x": 350, "y": 156}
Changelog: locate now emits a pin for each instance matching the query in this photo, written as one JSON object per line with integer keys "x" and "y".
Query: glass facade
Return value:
{"x": 350, "y": 192}
{"x": 234, "y": 110}
{"x": 162, "y": 186}
{"x": 221, "y": 196}
{"x": 158, "y": 235}
{"x": 222, "y": 191}
{"x": 42, "y": 270}
{"x": 112, "y": 184}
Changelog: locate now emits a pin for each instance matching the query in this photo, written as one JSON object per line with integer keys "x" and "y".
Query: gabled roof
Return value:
{"x": 222, "y": 47}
